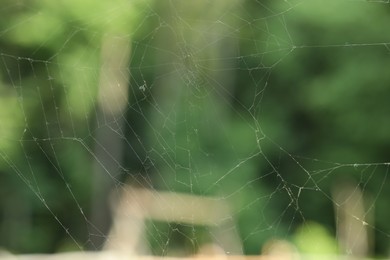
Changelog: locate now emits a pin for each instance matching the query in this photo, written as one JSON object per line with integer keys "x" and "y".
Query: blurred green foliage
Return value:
{"x": 264, "y": 103}
{"x": 314, "y": 239}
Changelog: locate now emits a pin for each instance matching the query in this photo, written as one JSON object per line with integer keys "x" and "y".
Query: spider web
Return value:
{"x": 257, "y": 118}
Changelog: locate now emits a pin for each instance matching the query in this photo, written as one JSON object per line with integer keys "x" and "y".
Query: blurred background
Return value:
{"x": 272, "y": 116}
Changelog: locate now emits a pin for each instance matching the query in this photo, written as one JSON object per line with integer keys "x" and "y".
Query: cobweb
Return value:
{"x": 256, "y": 120}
